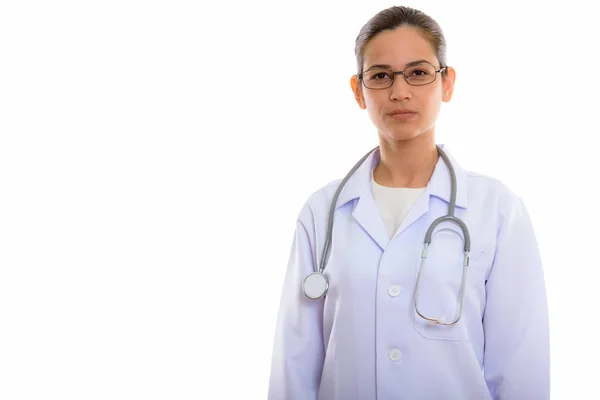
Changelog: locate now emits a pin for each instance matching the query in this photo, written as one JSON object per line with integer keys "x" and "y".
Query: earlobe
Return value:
{"x": 356, "y": 86}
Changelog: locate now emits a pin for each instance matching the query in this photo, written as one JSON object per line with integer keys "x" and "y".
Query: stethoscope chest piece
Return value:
{"x": 315, "y": 285}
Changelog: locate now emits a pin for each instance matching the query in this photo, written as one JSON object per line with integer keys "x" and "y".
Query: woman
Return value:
{"x": 389, "y": 317}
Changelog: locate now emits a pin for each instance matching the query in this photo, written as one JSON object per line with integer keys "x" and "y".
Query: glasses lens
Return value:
{"x": 378, "y": 78}
{"x": 420, "y": 74}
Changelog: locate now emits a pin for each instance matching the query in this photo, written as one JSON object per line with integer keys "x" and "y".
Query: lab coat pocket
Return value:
{"x": 439, "y": 295}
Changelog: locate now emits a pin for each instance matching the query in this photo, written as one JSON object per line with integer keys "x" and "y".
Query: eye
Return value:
{"x": 419, "y": 72}
{"x": 379, "y": 75}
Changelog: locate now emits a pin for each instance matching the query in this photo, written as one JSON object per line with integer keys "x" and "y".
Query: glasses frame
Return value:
{"x": 394, "y": 73}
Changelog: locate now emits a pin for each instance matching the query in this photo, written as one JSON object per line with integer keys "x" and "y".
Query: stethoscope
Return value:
{"x": 316, "y": 284}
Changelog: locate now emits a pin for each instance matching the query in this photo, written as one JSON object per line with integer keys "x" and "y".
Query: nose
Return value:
{"x": 400, "y": 89}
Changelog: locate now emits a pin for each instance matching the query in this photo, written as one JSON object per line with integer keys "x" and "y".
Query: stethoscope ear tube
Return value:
{"x": 327, "y": 245}
{"x": 459, "y": 222}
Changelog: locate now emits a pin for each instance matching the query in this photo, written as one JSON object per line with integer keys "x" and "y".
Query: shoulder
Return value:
{"x": 318, "y": 203}
{"x": 492, "y": 193}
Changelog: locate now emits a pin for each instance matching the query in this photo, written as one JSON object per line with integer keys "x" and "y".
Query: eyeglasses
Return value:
{"x": 420, "y": 74}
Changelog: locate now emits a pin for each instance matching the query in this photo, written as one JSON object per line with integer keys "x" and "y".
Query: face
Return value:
{"x": 398, "y": 48}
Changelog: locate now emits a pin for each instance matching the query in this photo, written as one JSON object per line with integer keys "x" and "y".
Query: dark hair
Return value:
{"x": 395, "y": 17}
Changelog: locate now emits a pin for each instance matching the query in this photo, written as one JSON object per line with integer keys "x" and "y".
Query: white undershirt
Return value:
{"x": 393, "y": 203}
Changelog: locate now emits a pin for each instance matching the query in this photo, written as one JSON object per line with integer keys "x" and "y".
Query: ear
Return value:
{"x": 448, "y": 84}
{"x": 356, "y": 86}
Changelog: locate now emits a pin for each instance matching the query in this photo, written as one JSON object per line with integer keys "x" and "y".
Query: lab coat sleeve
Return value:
{"x": 298, "y": 352}
{"x": 515, "y": 322}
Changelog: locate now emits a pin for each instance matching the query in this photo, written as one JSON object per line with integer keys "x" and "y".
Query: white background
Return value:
{"x": 154, "y": 157}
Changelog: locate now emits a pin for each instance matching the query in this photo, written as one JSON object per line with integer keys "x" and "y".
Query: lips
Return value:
{"x": 402, "y": 114}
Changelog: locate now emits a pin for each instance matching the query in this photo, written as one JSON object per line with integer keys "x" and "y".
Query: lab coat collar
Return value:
{"x": 439, "y": 184}
{"x": 359, "y": 187}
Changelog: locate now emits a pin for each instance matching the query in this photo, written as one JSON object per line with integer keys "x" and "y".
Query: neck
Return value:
{"x": 406, "y": 163}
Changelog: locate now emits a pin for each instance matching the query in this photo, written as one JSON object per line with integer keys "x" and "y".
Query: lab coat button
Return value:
{"x": 395, "y": 355}
{"x": 394, "y": 290}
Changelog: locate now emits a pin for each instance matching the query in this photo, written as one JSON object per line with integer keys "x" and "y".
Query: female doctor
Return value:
{"x": 411, "y": 278}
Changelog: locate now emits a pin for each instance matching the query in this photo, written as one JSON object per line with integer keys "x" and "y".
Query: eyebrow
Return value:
{"x": 410, "y": 64}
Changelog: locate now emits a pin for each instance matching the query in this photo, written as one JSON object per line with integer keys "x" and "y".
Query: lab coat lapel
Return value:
{"x": 418, "y": 209}
{"x": 365, "y": 211}
{"x": 368, "y": 216}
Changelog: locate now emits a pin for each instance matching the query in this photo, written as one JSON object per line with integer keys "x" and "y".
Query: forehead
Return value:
{"x": 398, "y": 47}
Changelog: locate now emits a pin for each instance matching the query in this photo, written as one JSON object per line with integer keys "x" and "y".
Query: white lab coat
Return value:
{"x": 364, "y": 340}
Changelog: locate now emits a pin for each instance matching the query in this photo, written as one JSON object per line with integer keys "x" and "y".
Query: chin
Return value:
{"x": 400, "y": 135}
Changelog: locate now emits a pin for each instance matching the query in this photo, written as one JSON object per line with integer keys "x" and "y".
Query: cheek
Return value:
{"x": 432, "y": 104}
{"x": 373, "y": 107}
{"x": 372, "y": 102}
